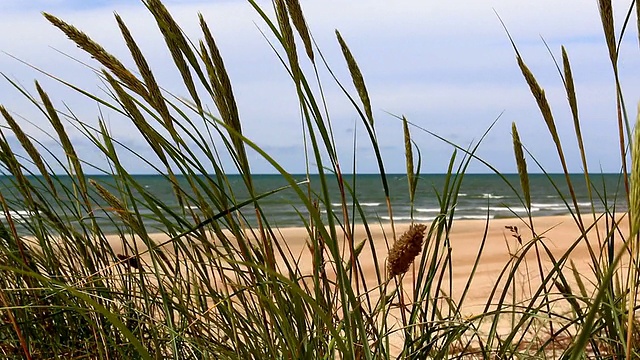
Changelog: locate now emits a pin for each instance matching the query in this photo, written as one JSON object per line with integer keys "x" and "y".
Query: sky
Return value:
{"x": 447, "y": 66}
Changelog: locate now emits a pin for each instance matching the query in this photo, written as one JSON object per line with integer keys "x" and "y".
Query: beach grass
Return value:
{"x": 217, "y": 283}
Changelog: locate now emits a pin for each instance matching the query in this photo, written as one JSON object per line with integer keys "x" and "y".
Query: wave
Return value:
{"x": 431, "y": 218}
{"x": 408, "y": 218}
{"x": 363, "y": 204}
{"x": 472, "y": 217}
{"x": 491, "y": 196}
{"x": 509, "y": 209}
{"x": 436, "y": 210}
{"x": 544, "y": 205}
{"x": 555, "y": 205}
{"x": 551, "y": 207}
{"x": 17, "y": 215}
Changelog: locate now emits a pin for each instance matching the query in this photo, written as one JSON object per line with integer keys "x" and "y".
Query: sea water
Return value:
{"x": 480, "y": 196}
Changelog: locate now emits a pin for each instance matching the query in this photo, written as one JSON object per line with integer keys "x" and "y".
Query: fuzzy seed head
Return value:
{"x": 405, "y": 250}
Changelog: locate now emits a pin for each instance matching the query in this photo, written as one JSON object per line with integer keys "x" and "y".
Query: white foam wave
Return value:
{"x": 431, "y": 218}
{"x": 544, "y": 205}
{"x": 408, "y": 218}
{"x": 17, "y": 215}
{"x": 437, "y": 210}
{"x": 363, "y": 204}
{"x": 510, "y": 209}
{"x": 550, "y": 207}
{"x": 491, "y": 196}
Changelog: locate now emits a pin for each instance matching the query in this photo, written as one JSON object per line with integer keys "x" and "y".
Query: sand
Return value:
{"x": 558, "y": 233}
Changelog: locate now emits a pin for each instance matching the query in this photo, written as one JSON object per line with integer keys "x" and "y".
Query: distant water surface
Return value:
{"x": 481, "y": 196}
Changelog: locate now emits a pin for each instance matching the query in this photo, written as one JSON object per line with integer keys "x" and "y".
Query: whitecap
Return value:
{"x": 428, "y": 209}
{"x": 491, "y": 196}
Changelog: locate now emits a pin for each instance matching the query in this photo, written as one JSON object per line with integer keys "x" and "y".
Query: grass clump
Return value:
{"x": 102, "y": 267}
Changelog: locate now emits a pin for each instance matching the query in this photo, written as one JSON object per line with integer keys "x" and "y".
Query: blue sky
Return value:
{"x": 447, "y": 66}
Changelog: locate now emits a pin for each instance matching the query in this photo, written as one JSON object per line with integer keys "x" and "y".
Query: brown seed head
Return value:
{"x": 295, "y": 11}
{"x": 405, "y": 250}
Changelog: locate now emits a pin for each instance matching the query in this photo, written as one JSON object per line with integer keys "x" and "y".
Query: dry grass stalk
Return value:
{"x": 356, "y": 76}
{"x": 155, "y": 95}
{"x": 221, "y": 71}
{"x": 182, "y": 67}
{"x": 606, "y": 16}
{"x": 99, "y": 53}
{"x": 67, "y": 147}
{"x": 408, "y": 153}
{"x": 16, "y": 327}
{"x": 131, "y": 221}
{"x": 222, "y": 95}
{"x": 297, "y": 17}
{"x": 570, "y": 87}
{"x": 634, "y": 210}
{"x": 521, "y": 164}
{"x": 177, "y": 45}
{"x": 405, "y": 250}
{"x": 29, "y": 148}
{"x": 573, "y": 104}
{"x": 287, "y": 37}
{"x": 170, "y": 28}
{"x": 217, "y": 91}
{"x": 118, "y": 207}
{"x": 116, "y": 204}
{"x": 13, "y": 165}
{"x": 541, "y": 99}
{"x": 151, "y": 136}
{"x": 634, "y": 199}
{"x": 223, "y": 92}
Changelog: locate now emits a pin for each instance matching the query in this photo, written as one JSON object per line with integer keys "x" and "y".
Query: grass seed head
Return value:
{"x": 356, "y": 76}
{"x": 405, "y": 250}
{"x": 297, "y": 17}
{"x": 521, "y": 164}
{"x": 99, "y": 53}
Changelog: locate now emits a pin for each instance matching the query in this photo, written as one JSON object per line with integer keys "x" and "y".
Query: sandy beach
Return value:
{"x": 493, "y": 240}
{"x": 557, "y": 233}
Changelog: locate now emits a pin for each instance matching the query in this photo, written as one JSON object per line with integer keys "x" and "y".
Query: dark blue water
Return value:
{"x": 479, "y": 196}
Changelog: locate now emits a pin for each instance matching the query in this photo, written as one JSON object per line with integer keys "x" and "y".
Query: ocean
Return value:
{"x": 481, "y": 196}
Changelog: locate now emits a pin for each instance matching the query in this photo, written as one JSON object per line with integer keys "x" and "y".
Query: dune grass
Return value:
{"x": 222, "y": 285}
